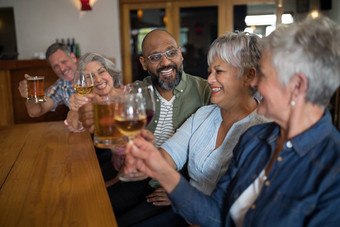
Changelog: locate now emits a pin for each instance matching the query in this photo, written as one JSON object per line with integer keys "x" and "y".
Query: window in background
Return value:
{"x": 258, "y": 18}
{"x": 198, "y": 29}
{"x": 267, "y": 23}
{"x": 142, "y": 22}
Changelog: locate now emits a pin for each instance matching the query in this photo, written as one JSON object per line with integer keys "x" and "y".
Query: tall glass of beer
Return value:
{"x": 36, "y": 89}
{"x": 106, "y": 135}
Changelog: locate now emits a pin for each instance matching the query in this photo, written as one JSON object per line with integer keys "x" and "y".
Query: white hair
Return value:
{"x": 311, "y": 48}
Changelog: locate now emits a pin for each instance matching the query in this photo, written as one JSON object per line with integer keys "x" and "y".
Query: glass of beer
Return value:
{"x": 106, "y": 135}
{"x": 36, "y": 89}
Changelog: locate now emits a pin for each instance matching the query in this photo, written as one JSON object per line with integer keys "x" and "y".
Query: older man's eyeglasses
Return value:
{"x": 170, "y": 54}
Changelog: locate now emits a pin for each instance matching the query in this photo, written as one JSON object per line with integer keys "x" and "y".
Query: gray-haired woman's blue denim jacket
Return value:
{"x": 302, "y": 189}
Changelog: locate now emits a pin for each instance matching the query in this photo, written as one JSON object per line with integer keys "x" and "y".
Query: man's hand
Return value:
{"x": 158, "y": 198}
{"x": 34, "y": 109}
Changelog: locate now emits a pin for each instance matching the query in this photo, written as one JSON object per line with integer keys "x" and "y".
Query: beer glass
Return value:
{"x": 106, "y": 134}
{"x": 36, "y": 89}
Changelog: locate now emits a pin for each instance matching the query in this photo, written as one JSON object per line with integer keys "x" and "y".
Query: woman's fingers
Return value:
{"x": 76, "y": 101}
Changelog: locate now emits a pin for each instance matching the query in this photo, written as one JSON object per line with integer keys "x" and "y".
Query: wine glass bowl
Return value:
{"x": 83, "y": 82}
{"x": 147, "y": 92}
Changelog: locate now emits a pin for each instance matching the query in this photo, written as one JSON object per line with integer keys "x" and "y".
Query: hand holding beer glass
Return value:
{"x": 35, "y": 87}
{"x": 130, "y": 119}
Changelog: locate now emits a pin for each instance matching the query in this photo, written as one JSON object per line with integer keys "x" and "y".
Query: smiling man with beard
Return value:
{"x": 177, "y": 95}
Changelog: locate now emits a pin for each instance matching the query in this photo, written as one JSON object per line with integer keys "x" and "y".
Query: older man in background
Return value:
{"x": 63, "y": 63}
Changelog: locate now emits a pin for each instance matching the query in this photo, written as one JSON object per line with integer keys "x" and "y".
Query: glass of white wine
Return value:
{"x": 130, "y": 119}
{"x": 148, "y": 96}
{"x": 83, "y": 82}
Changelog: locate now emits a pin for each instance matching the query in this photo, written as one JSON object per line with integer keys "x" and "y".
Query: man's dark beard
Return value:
{"x": 165, "y": 84}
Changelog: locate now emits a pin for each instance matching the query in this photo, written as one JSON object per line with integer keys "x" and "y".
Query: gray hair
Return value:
{"x": 109, "y": 66}
{"x": 240, "y": 49}
{"x": 57, "y": 46}
{"x": 311, "y": 48}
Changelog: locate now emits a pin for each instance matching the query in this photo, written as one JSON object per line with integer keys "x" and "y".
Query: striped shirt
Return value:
{"x": 164, "y": 129}
{"x": 191, "y": 93}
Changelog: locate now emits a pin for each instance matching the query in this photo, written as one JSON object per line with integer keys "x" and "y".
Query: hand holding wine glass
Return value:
{"x": 130, "y": 119}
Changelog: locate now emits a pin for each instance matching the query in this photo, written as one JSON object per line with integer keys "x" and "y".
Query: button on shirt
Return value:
{"x": 303, "y": 189}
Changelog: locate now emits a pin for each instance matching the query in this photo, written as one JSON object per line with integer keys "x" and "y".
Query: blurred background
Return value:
{"x": 116, "y": 28}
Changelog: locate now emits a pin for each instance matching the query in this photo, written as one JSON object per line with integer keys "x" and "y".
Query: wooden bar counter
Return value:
{"x": 50, "y": 177}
